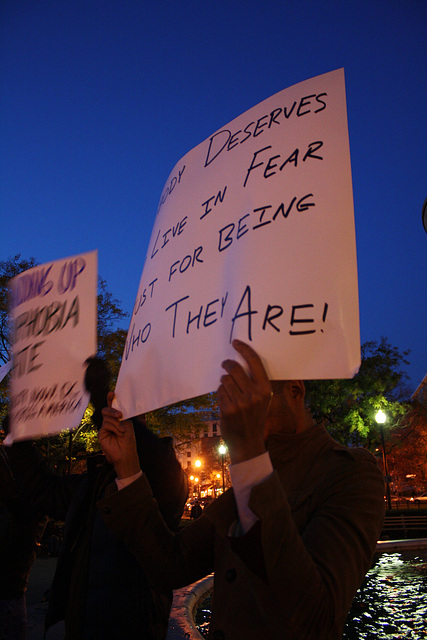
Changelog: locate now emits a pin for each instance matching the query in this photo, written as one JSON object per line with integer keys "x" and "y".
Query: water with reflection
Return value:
{"x": 391, "y": 603}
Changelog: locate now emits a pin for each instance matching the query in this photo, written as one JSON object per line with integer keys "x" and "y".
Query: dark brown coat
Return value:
{"x": 294, "y": 575}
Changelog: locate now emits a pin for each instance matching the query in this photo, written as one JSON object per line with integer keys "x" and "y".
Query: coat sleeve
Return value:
{"x": 171, "y": 560}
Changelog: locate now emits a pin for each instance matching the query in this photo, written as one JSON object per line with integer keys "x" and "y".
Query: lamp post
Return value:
{"x": 381, "y": 417}
{"x": 217, "y": 477}
{"x": 197, "y": 482}
{"x": 198, "y": 464}
{"x": 222, "y": 450}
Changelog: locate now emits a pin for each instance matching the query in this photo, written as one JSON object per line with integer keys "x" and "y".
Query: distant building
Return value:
{"x": 420, "y": 393}
{"x": 205, "y": 480}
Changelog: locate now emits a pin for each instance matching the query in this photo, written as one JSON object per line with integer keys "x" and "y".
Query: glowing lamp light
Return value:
{"x": 380, "y": 417}
{"x": 222, "y": 449}
{"x": 198, "y": 463}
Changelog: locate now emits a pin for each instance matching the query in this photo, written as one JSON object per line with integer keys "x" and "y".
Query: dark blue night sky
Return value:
{"x": 100, "y": 99}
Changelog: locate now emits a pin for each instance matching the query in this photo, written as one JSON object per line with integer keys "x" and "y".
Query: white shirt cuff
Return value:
{"x": 244, "y": 476}
{"x": 125, "y": 482}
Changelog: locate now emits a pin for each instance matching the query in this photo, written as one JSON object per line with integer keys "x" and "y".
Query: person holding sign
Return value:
{"x": 292, "y": 540}
{"x": 99, "y": 589}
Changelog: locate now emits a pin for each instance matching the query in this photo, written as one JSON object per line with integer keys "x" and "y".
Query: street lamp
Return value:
{"x": 381, "y": 417}
{"x": 222, "y": 450}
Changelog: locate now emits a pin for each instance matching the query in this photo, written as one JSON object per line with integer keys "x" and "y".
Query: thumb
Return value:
{"x": 110, "y": 398}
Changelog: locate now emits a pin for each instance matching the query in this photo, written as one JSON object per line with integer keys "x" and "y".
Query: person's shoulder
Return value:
{"x": 340, "y": 459}
{"x": 155, "y": 452}
{"x": 343, "y": 451}
{"x": 357, "y": 454}
{"x": 360, "y": 454}
{"x": 353, "y": 462}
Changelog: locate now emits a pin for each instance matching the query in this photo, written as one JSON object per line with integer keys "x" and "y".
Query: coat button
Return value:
{"x": 218, "y": 635}
{"x": 230, "y": 575}
{"x": 106, "y": 510}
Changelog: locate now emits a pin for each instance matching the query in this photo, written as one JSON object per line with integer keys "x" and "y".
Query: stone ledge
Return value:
{"x": 185, "y": 602}
{"x": 401, "y": 545}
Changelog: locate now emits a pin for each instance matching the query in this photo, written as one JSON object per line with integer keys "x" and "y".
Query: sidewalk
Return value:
{"x": 40, "y": 580}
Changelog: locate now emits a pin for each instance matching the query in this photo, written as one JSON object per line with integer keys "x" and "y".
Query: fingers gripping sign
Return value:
{"x": 244, "y": 400}
{"x": 117, "y": 440}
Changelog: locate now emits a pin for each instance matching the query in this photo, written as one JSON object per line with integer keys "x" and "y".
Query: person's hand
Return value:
{"x": 117, "y": 440}
{"x": 244, "y": 400}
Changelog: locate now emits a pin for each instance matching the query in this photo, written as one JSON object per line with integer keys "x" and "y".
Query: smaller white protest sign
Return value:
{"x": 53, "y": 308}
{"x": 253, "y": 239}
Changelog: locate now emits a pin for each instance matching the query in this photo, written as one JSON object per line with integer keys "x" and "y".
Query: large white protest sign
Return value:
{"x": 253, "y": 239}
{"x": 53, "y": 309}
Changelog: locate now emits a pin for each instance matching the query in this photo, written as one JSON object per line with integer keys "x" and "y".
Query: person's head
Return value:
{"x": 97, "y": 383}
{"x": 287, "y": 413}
